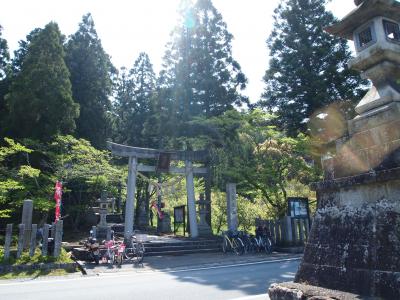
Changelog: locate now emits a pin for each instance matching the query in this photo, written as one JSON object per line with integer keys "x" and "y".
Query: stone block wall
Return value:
{"x": 354, "y": 243}
{"x": 373, "y": 143}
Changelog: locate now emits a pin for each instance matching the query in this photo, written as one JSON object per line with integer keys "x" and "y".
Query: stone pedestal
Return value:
{"x": 204, "y": 228}
{"x": 354, "y": 242}
{"x": 165, "y": 224}
{"x": 143, "y": 217}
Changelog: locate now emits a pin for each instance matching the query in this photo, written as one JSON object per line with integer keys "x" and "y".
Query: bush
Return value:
{"x": 64, "y": 257}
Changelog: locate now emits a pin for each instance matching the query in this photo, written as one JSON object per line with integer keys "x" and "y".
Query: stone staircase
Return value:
{"x": 182, "y": 246}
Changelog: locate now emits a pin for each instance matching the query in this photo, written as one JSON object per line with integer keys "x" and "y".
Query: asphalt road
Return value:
{"x": 244, "y": 281}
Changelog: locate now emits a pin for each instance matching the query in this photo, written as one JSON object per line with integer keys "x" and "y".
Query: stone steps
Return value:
{"x": 169, "y": 246}
{"x": 180, "y": 247}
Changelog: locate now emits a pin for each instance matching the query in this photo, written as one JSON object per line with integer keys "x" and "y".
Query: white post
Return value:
{"x": 231, "y": 203}
{"x": 130, "y": 197}
{"x": 194, "y": 232}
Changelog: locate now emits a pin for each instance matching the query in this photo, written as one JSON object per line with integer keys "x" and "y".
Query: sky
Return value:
{"x": 128, "y": 27}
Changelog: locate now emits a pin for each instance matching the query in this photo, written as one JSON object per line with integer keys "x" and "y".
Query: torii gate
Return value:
{"x": 134, "y": 153}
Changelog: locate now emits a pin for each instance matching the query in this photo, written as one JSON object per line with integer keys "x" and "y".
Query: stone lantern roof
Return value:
{"x": 365, "y": 11}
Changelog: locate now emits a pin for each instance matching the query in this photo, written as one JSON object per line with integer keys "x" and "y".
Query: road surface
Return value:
{"x": 242, "y": 281}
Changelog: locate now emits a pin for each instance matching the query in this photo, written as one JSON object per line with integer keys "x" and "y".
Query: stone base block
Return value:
{"x": 165, "y": 224}
{"x": 205, "y": 230}
{"x": 354, "y": 243}
{"x": 298, "y": 291}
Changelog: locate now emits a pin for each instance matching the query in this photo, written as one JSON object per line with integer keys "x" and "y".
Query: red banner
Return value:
{"x": 57, "y": 198}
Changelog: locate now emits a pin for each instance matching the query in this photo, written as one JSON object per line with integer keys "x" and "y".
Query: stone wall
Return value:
{"x": 354, "y": 243}
{"x": 373, "y": 144}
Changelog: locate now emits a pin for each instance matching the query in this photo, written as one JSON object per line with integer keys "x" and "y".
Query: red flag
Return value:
{"x": 57, "y": 198}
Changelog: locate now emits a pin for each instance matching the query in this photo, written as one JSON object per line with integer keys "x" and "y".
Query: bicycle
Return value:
{"x": 231, "y": 241}
{"x": 249, "y": 245}
{"x": 263, "y": 242}
{"x": 135, "y": 248}
{"x": 114, "y": 252}
{"x": 110, "y": 254}
{"x": 119, "y": 258}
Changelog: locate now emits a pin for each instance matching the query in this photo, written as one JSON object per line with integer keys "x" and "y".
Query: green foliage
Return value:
{"x": 91, "y": 77}
{"x": 31, "y": 172}
{"x": 37, "y": 258}
{"x": 40, "y": 100}
{"x": 308, "y": 67}
{"x": 248, "y": 150}
{"x": 17, "y": 178}
{"x": 85, "y": 172}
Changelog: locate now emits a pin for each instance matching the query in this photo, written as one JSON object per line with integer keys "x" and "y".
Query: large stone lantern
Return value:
{"x": 374, "y": 26}
{"x": 354, "y": 242}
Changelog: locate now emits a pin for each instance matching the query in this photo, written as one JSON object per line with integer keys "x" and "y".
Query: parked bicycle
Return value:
{"x": 262, "y": 240}
{"x": 135, "y": 249}
{"x": 248, "y": 242}
{"x": 114, "y": 252}
{"x": 232, "y": 242}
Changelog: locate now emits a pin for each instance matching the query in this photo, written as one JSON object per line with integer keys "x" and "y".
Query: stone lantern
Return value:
{"x": 354, "y": 242}
{"x": 103, "y": 229}
{"x": 374, "y": 27}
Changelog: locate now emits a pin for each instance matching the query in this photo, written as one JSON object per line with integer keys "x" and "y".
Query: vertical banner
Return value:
{"x": 57, "y": 198}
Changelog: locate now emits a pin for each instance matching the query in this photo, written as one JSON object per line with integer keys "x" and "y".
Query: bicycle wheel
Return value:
{"x": 111, "y": 257}
{"x": 129, "y": 253}
{"x": 139, "y": 252}
{"x": 267, "y": 246}
{"x": 237, "y": 246}
{"x": 224, "y": 245}
{"x": 119, "y": 259}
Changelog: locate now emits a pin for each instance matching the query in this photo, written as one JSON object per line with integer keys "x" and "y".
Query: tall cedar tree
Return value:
{"x": 4, "y": 79}
{"x": 204, "y": 78}
{"x": 133, "y": 101}
{"x": 308, "y": 67}
{"x": 91, "y": 77}
{"x": 40, "y": 100}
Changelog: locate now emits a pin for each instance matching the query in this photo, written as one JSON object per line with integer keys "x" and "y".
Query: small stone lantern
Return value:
{"x": 374, "y": 26}
{"x": 103, "y": 229}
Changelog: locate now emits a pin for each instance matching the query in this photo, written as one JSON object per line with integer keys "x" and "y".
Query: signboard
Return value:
{"x": 179, "y": 214}
{"x": 298, "y": 207}
{"x": 179, "y": 218}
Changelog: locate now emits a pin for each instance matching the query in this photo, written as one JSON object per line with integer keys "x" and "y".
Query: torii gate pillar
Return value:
{"x": 194, "y": 232}
{"x": 130, "y": 197}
